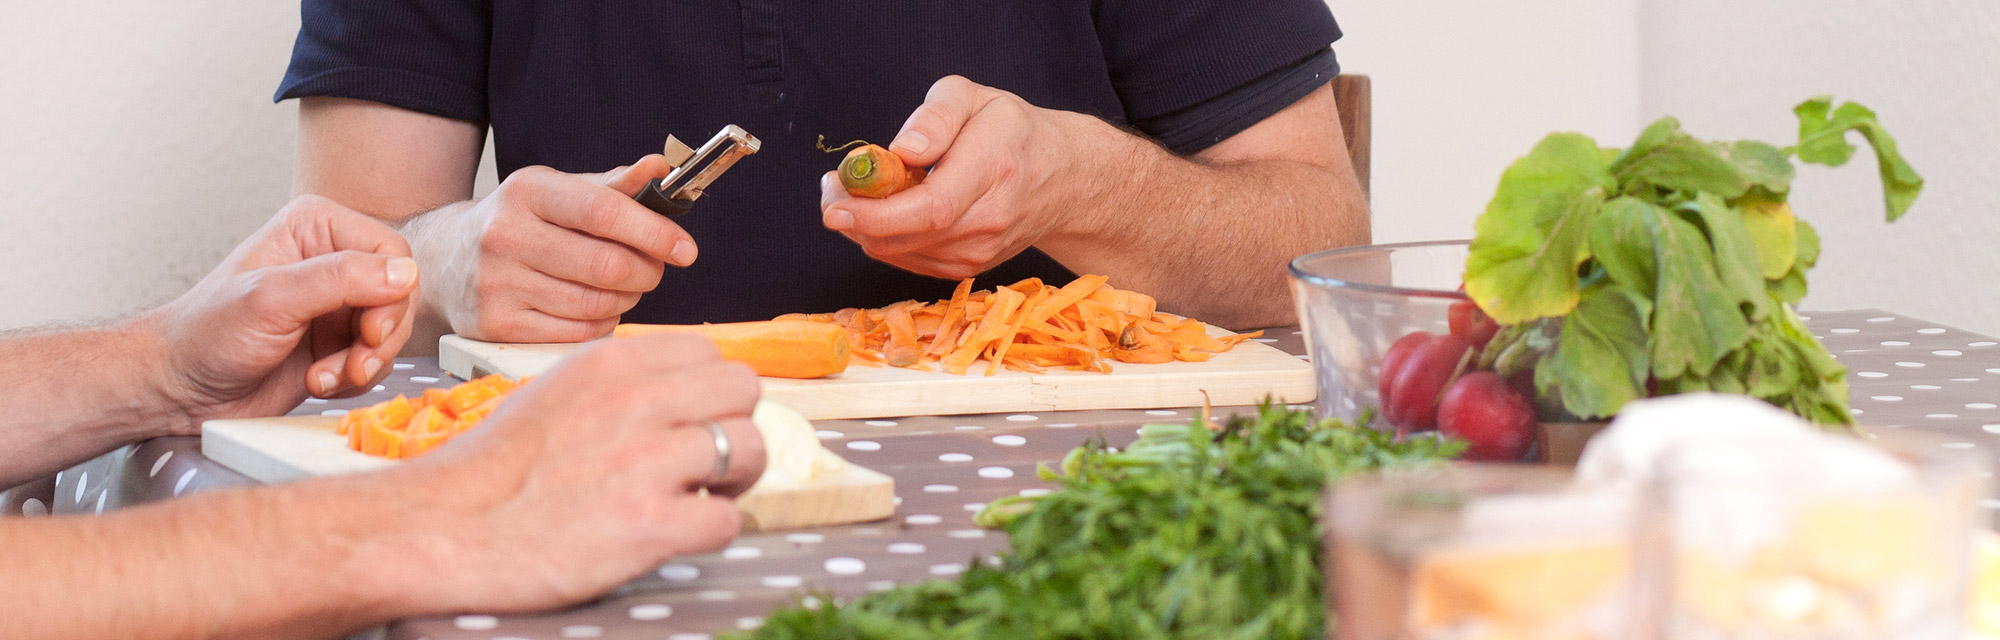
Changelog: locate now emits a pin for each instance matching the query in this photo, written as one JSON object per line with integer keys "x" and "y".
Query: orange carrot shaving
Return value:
{"x": 405, "y": 428}
{"x": 1028, "y": 326}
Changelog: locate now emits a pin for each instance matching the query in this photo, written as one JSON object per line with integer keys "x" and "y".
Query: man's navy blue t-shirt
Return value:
{"x": 588, "y": 86}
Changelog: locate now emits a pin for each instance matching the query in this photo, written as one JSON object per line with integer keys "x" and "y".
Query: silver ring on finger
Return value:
{"x": 721, "y": 452}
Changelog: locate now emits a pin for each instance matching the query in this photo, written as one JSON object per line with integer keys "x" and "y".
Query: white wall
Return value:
{"x": 139, "y": 144}
{"x": 1930, "y": 70}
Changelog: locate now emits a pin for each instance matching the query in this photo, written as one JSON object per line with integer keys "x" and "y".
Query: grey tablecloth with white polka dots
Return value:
{"x": 1904, "y": 373}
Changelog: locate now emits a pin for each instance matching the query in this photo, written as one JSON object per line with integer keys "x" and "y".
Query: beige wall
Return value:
{"x": 139, "y": 143}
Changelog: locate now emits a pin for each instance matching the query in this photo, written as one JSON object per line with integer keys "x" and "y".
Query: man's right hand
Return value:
{"x": 548, "y": 256}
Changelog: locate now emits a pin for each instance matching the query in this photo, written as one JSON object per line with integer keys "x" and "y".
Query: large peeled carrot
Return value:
{"x": 776, "y": 348}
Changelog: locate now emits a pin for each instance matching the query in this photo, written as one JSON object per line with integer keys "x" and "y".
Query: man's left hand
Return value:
{"x": 994, "y": 187}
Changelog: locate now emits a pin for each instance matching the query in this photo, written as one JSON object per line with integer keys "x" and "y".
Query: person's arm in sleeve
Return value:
{"x": 391, "y": 123}
{"x": 1207, "y": 231}
{"x": 591, "y": 475}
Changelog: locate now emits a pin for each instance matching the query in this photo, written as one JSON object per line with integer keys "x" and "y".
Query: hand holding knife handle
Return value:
{"x": 695, "y": 169}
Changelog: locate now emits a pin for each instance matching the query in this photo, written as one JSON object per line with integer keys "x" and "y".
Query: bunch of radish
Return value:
{"x": 1431, "y": 382}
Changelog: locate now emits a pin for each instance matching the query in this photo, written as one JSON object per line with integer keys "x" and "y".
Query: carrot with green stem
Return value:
{"x": 870, "y": 171}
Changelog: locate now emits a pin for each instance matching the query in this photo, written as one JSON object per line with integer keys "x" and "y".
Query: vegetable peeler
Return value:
{"x": 695, "y": 169}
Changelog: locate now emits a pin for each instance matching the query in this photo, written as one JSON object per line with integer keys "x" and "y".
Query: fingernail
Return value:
{"x": 683, "y": 253}
{"x": 369, "y": 368}
{"x": 402, "y": 272}
{"x": 327, "y": 382}
{"x": 386, "y": 326}
{"x": 839, "y": 220}
{"x": 912, "y": 141}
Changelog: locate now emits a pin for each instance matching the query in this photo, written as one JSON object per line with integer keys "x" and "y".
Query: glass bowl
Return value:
{"x": 1354, "y": 302}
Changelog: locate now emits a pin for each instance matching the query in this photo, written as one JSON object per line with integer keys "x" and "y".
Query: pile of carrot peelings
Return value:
{"x": 403, "y": 428}
{"x": 1027, "y": 326}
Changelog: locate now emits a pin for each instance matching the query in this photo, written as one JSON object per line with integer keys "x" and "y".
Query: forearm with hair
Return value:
{"x": 70, "y": 394}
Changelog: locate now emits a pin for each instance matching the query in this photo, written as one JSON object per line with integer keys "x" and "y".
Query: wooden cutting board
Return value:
{"x": 1243, "y": 375}
{"x": 278, "y": 450}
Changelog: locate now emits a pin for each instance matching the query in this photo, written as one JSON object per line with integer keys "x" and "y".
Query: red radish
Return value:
{"x": 1483, "y": 410}
{"x": 1392, "y": 361}
{"x": 1469, "y": 322}
{"x": 1415, "y": 383}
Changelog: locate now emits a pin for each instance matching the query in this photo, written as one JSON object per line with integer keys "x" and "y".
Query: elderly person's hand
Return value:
{"x": 596, "y": 472}
{"x": 549, "y": 256}
{"x": 319, "y": 300}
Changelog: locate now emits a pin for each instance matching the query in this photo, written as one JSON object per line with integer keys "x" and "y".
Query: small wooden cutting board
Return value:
{"x": 1244, "y": 375}
{"x": 279, "y": 450}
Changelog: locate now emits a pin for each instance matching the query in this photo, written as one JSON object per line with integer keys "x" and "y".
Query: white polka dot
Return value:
{"x": 881, "y": 585}
{"x": 1847, "y": 331}
{"x": 1298, "y": 333}
{"x": 380, "y": 388}
{"x": 950, "y": 569}
{"x": 164, "y": 457}
{"x": 680, "y": 572}
{"x": 954, "y": 457}
{"x": 1163, "y": 412}
{"x": 1035, "y": 492}
{"x": 716, "y": 595}
{"x": 750, "y": 623}
{"x": 100, "y": 500}
{"x": 1881, "y": 319}
{"x": 333, "y": 413}
{"x": 82, "y": 481}
{"x": 1022, "y": 417}
{"x": 1886, "y": 398}
{"x": 583, "y": 631}
{"x": 423, "y": 379}
{"x": 402, "y": 366}
{"x": 742, "y": 553}
{"x": 975, "y": 507}
{"x": 34, "y": 508}
{"x": 1990, "y": 428}
{"x": 1009, "y": 440}
{"x": 1805, "y": 317}
{"x": 898, "y": 501}
{"x": 829, "y": 435}
{"x": 1264, "y": 340}
{"x": 845, "y": 566}
{"x": 1949, "y": 353}
{"x": 866, "y": 531}
{"x": 1964, "y": 379}
{"x": 1981, "y": 405}
{"x": 476, "y": 623}
{"x": 690, "y": 636}
{"x": 650, "y": 612}
{"x": 880, "y": 423}
{"x": 865, "y": 445}
{"x": 1909, "y": 365}
{"x": 1958, "y": 445}
{"x": 1931, "y": 331}
{"x": 1941, "y": 416}
{"x": 809, "y": 602}
{"x": 181, "y": 485}
{"x": 1895, "y": 343}
{"x": 804, "y": 538}
{"x": 996, "y": 473}
{"x": 315, "y": 400}
{"x": 906, "y": 548}
{"x": 1981, "y": 343}
{"x": 940, "y": 488}
{"x": 922, "y": 519}
{"x": 1061, "y": 425}
{"x": 1925, "y": 387}
{"x": 1854, "y": 411}
{"x": 969, "y": 534}
{"x": 1303, "y": 357}
{"x": 1989, "y": 503}
{"x": 783, "y": 582}
{"x": 968, "y": 427}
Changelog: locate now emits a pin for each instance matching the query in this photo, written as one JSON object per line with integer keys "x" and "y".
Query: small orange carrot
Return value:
{"x": 776, "y": 348}
{"x": 870, "y": 171}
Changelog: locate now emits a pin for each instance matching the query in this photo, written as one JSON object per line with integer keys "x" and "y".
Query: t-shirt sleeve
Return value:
{"x": 1193, "y": 73}
{"x": 422, "y": 55}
